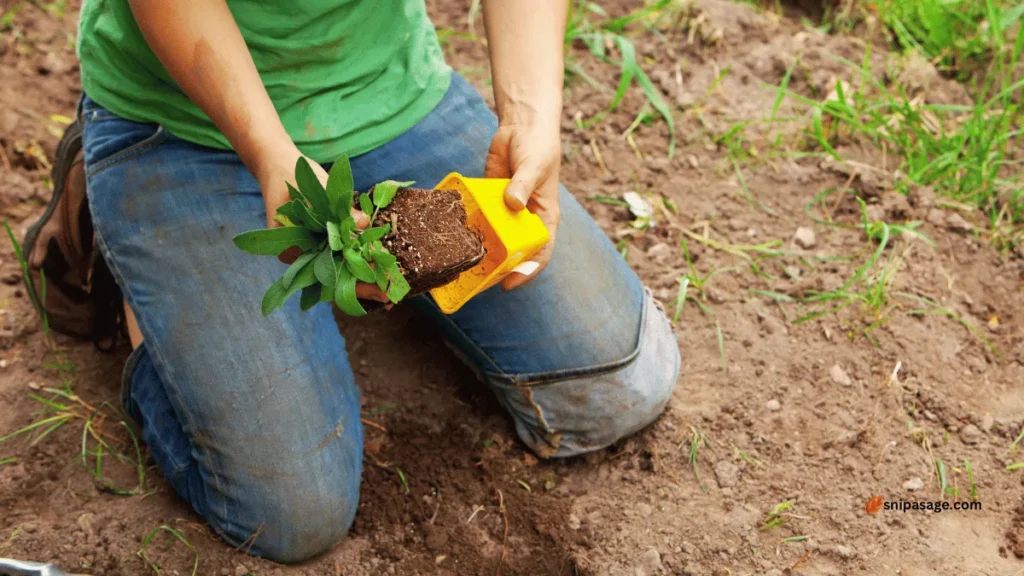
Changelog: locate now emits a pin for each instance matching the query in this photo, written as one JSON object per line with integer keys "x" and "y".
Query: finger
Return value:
{"x": 526, "y": 179}
{"x": 361, "y": 218}
{"x": 497, "y": 157}
{"x": 515, "y": 279}
{"x": 371, "y": 292}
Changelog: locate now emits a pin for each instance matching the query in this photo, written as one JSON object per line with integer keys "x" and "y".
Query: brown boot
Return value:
{"x": 78, "y": 294}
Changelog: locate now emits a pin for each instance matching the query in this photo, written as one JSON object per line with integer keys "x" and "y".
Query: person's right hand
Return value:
{"x": 277, "y": 171}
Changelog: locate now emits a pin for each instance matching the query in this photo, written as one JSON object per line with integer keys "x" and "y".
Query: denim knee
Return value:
{"x": 592, "y": 411}
{"x": 295, "y": 519}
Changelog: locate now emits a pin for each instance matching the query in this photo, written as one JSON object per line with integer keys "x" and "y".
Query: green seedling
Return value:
{"x": 148, "y": 539}
{"x": 970, "y": 479}
{"x": 63, "y": 406}
{"x": 942, "y": 477}
{"x": 696, "y": 441}
{"x": 1016, "y": 441}
{"x": 8, "y": 460}
{"x": 608, "y": 31}
{"x": 335, "y": 253}
{"x": 777, "y": 517}
{"x": 1015, "y": 466}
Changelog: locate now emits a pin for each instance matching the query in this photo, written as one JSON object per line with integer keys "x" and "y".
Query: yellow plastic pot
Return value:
{"x": 510, "y": 238}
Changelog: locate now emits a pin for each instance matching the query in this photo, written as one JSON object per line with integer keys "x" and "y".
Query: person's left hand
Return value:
{"x": 531, "y": 155}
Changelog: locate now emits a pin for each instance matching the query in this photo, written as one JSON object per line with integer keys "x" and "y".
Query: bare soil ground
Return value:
{"x": 807, "y": 413}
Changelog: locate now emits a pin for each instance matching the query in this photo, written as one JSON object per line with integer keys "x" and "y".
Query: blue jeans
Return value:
{"x": 255, "y": 421}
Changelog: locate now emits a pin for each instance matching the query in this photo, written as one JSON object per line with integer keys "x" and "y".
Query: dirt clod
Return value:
{"x": 726, "y": 473}
{"x": 845, "y": 552}
{"x": 971, "y": 435}
{"x": 805, "y": 237}
{"x": 839, "y": 376}
{"x": 913, "y": 485}
{"x": 773, "y": 405}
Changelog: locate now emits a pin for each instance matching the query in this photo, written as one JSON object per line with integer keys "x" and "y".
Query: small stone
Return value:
{"x": 913, "y": 485}
{"x": 792, "y": 271}
{"x": 930, "y": 415}
{"x": 574, "y": 522}
{"x": 726, "y": 473}
{"x": 11, "y": 279}
{"x": 691, "y": 159}
{"x": 86, "y": 523}
{"x": 970, "y": 434}
{"x": 645, "y": 510}
{"x": 956, "y": 223}
{"x": 34, "y": 386}
{"x": 773, "y": 405}
{"x": 987, "y": 421}
{"x": 845, "y": 552}
{"x": 650, "y": 561}
{"x": 3, "y": 363}
{"x": 659, "y": 252}
{"x": 241, "y": 570}
{"x": 805, "y": 237}
{"x": 936, "y": 217}
{"x": 839, "y": 376}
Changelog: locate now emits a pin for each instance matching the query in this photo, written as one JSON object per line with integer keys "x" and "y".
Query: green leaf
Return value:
{"x": 295, "y": 268}
{"x": 298, "y": 213}
{"x": 383, "y": 258}
{"x": 277, "y": 294}
{"x": 345, "y": 293}
{"x": 399, "y": 286}
{"x": 381, "y": 276}
{"x": 334, "y": 236}
{"x": 340, "y": 187}
{"x": 365, "y": 205}
{"x": 310, "y": 297}
{"x": 358, "y": 266}
{"x": 371, "y": 235}
{"x": 323, "y": 268}
{"x": 273, "y": 241}
{"x": 312, "y": 189}
{"x": 384, "y": 192}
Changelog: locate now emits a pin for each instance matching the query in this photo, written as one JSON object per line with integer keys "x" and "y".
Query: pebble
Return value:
{"x": 913, "y": 485}
{"x": 726, "y": 473}
{"x": 34, "y": 386}
{"x": 692, "y": 161}
{"x": 805, "y": 237}
{"x": 650, "y": 563}
{"x": 241, "y": 570}
{"x": 987, "y": 421}
{"x": 845, "y": 552}
{"x": 839, "y": 376}
{"x": 773, "y": 405}
{"x": 970, "y": 434}
{"x": 956, "y": 223}
{"x": 574, "y": 522}
{"x": 645, "y": 510}
{"x": 86, "y": 523}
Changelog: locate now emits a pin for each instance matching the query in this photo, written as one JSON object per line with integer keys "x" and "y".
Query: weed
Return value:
{"x": 597, "y": 36}
{"x": 970, "y": 479}
{"x": 64, "y": 406}
{"x": 697, "y": 440}
{"x": 1015, "y": 466}
{"x": 777, "y": 517}
{"x": 1016, "y": 441}
{"x": 402, "y": 479}
{"x": 148, "y": 539}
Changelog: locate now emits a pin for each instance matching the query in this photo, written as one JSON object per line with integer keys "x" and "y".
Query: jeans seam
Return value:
{"x": 557, "y": 376}
{"x": 128, "y": 153}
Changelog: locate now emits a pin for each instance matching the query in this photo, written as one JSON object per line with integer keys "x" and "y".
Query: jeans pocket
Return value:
{"x": 111, "y": 139}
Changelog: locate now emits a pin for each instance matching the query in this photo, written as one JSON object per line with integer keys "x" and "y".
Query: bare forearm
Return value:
{"x": 199, "y": 44}
{"x": 525, "y": 39}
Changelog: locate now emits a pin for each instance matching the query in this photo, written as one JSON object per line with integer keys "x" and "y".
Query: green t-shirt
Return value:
{"x": 346, "y": 76}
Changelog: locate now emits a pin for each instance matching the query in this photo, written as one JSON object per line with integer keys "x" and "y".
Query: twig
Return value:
{"x": 3, "y": 156}
{"x": 801, "y": 560}
{"x": 504, "y": 540}
{"x": 597, "y": 155}
{"x": 373, "y": 424}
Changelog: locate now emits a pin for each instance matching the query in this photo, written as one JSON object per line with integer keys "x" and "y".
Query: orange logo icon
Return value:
{"x": 874, "y": 505}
